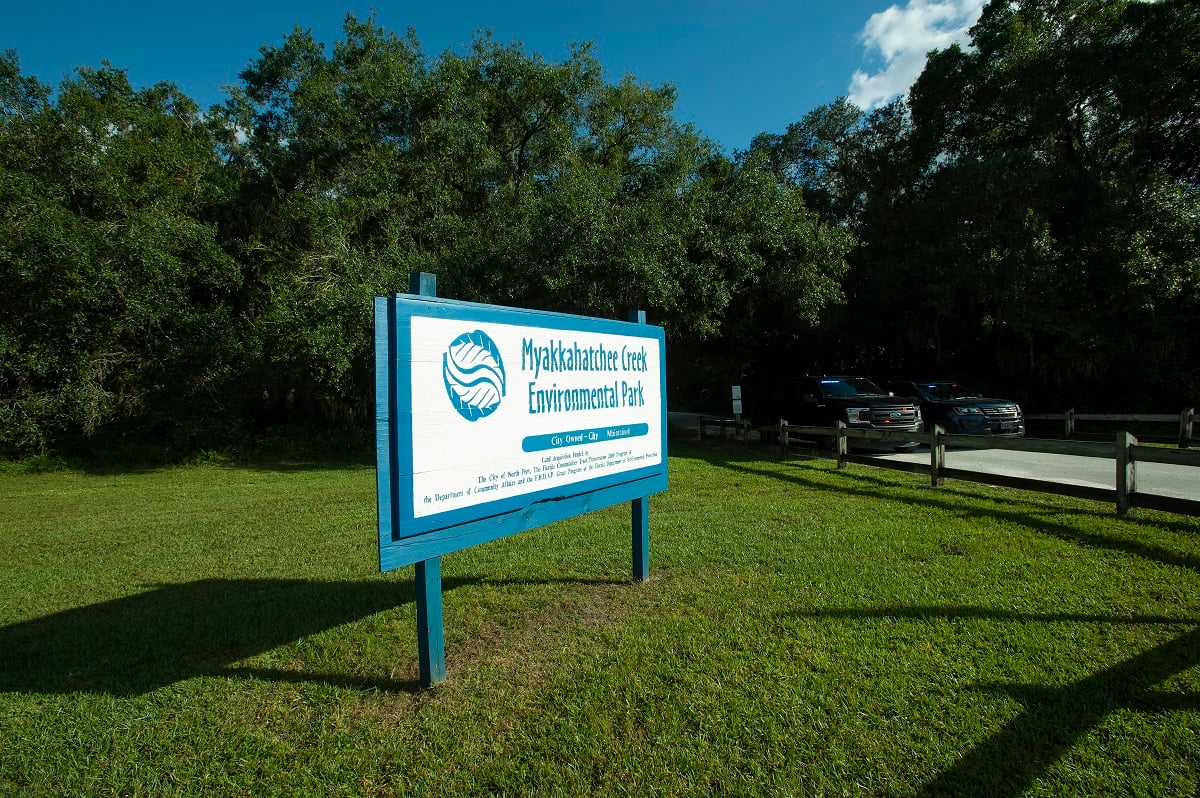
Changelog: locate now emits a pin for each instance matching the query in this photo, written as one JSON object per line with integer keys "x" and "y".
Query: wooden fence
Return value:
{"x": 1185, "y": 418}
{"x": 1124, "y": 451}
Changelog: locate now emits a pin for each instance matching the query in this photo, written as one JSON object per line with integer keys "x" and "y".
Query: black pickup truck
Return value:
{"x": 960, "y": 410}
{"x": 856, "y": 401}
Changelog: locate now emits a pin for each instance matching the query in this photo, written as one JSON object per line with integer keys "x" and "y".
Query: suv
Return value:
{"x": 858, "y": 402}
{"x": 961, "y": 411}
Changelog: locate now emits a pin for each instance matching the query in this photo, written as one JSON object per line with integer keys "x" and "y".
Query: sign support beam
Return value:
{"x": 640, "y": 509}
{"x": 641, "y": 538}
{"x": 431, "y": 639}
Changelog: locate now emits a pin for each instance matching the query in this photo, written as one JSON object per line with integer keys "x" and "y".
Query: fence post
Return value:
{"x": 843, "y": 445}
{"x": 745, "y": 434}
{"x": 937, "y": 456}
{"x": 701, "y": 429}
{"x": 1126, "y": 472}
{"x": 1185, "y": 426}
{"x": 1069, "y": 422}
{"x": 783, "y": 438}
{"x": 722, "y": 429}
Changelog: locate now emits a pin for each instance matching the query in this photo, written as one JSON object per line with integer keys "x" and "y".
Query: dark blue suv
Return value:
{"x": 961, "y": 411}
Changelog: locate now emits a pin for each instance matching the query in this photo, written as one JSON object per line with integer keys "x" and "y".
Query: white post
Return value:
{"x": 1126, "y": 472}
{"x": 843, "y": 444}
{"x": 937, "y": 456}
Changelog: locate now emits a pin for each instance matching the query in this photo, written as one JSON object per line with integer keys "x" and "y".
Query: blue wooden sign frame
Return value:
{"x": 407, "y": 537}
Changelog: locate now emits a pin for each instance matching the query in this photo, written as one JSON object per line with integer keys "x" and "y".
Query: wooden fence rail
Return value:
{"x": 1125, "y": 452}
{"x": 1185, "y": 418}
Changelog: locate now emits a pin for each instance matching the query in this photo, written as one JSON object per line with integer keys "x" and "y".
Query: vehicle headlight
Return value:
{"x": 968, "y": 411}
{"x": 858, "y": 415}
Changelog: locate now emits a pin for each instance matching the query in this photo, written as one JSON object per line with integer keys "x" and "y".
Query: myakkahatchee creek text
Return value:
{"x": 569, "y": 357}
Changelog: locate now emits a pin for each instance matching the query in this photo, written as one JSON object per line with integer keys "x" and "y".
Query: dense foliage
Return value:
{"x": 118, "y": 304}
{"x": 1028, "y": 218}
{"x": 188, "y": 278}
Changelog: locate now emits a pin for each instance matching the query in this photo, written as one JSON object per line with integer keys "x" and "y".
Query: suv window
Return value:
{"x": 942, "y": 391}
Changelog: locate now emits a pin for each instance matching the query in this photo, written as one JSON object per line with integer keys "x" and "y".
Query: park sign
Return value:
{"x": 493, "y": 420}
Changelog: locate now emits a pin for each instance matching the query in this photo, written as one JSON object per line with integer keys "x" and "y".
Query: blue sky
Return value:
{"x": 740, "y": 67}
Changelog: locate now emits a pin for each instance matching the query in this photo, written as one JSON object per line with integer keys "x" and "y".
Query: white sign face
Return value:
{"x": 510, "y": 413}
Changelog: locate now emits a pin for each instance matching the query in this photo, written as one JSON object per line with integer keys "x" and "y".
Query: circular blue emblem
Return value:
{"x": 474, "y": 375}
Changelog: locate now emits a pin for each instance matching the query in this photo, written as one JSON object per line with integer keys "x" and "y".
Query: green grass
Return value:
{"x": 220, "y": 629}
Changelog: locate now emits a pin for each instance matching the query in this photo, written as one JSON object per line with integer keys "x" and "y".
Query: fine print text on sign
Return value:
{"x": 503, "y": 409}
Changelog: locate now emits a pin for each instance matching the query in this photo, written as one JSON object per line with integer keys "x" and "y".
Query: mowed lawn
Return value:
{"x": 222, "y": 630}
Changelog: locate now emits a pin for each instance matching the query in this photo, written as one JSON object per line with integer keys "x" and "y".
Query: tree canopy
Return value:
{"x": 1027, "y": 218}
{"x": 193, "y": 275}
{"x": 116, "y": 289}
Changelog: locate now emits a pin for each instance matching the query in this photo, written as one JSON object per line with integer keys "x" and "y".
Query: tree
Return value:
{"x": 818, "y": 155}
{"x": 1029, "y": 216}
{"x": 518, "y": 181}
{"x": 1066, "y": 207}
{"x": 188, "y": 278}
{"x": 113, "y": 307}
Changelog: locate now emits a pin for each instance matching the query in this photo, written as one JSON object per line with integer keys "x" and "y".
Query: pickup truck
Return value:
{"x": 856, "y": 401}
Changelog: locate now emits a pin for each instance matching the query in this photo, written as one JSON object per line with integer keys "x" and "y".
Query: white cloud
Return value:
{"x": 903, "y": 36}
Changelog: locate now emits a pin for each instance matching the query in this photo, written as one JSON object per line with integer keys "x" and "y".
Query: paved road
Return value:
{"x": 1165, "y": 480}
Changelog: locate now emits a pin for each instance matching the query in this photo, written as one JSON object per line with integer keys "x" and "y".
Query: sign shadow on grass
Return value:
{"x": 1053, "y": 719}
{"x": 138, "y": 643}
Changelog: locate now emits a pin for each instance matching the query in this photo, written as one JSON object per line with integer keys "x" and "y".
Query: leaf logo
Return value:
{"x": 474, "y": 375}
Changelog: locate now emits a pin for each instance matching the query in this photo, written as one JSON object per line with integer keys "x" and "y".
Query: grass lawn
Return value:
{"x": 221, "y": 630}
